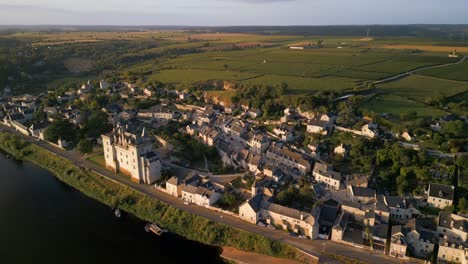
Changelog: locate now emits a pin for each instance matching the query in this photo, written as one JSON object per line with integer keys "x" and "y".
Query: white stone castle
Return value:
{"x": 131, "y": 154}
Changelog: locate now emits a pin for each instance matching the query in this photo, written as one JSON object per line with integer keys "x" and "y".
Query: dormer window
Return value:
{"x": 441, "y": 194}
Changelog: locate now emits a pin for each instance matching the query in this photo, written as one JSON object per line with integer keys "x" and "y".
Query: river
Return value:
{"x": 42, "y": 220}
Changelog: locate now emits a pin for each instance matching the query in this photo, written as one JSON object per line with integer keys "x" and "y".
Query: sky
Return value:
{"x": 232, "y": 12}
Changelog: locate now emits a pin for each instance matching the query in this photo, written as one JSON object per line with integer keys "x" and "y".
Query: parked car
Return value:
{"x": 293, "y": 234}
{"x": 260, "y": 223}
{"x": 186, "y": 203}
{"x": 271, "y": 226}
{"x": 303, "y": 236}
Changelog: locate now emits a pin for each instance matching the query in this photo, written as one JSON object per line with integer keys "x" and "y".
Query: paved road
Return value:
{"x": 314, "y": 247}
{"x": 401, "y": 75}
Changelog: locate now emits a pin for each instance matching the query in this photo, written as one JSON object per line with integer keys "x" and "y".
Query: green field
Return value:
{"x": 420, "y": 88}
{"x": 457, "y": 72}
{"x": 396, "y": 105}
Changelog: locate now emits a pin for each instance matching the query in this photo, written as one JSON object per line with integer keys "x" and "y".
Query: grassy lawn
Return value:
{"x": 98, "y": 159}
{"x": 396, "y": 105}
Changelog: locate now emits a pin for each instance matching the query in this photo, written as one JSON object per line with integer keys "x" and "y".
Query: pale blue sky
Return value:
{"x": 233, "y": 12}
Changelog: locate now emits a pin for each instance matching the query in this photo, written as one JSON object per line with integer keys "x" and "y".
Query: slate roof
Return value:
{"x": 363, "y": 191}
{"x": 341, "y": 221}
{"x": 441, "y": 191}
{"x": 426, "y": 235}
{"x": 328, "y": 215}
{"x": 380, "y": 231}
{"x": 399, "y": 202}
{"x": 445, "y": 219}
{"x": 174, "y": 181}
{"x": 322, "y": 169}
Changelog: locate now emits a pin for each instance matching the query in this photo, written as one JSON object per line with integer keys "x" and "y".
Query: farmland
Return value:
{"x": 397, "y": 105}
{"x": 457, "y": 72}
{"x": 420, "y": 88}
{"x": 184, "y": 59}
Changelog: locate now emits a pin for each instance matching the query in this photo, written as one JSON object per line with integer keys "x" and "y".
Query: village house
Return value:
{"x": 339, "y": 227}
{"x": 254, "y": 113}
{"x": 329, "y": 212}
{"x": 254, "y": 164}
{"x": 258, "y": 143}
{"x": 319, "y": 124}
{"x": 174, "y": 186}
{"x": 341, "y": 150}
{"x": 398, "y": 244}
{"x": 379, "y": 237}
{"x": 191, "y": 129}
{"x": 370, "y": 130}
{"x": 257, "y": 209}
{"x": 361, "y": 194}
{"x": 324, "y": 174}
{"x": 453, "y": 227}
{"x": 358, "y": 180}
{"x": 131, "y": 154}
{"x": 159, "y": 113}
{"x": 200, "y": 195}
{"x": 354, "y": 209}
{"x": 406, "y": 136}
{"x": 420, "y": 239}
{"x": 291, "y": 162}
{"x": 440, "y": 195}
{"x": 37, "y": 130}
{"x": 401, "y": 208}
{"x": 451, "y": 252}
{"x": 208, "y": 135}
{"x": 284, "y": 132}
{"x": 235, "y": 128}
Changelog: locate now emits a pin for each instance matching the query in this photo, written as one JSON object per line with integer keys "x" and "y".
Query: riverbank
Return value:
{"x": 190, "y": 226}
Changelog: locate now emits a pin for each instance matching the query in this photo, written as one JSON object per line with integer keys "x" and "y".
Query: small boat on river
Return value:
{"x": 152, "y": 227}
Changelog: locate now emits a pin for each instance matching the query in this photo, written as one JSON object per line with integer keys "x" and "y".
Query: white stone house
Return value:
{"x": 174, "y": 186}
{"x": 257, "y": 209}
{"x": 440, "y": 195}
{"x": 200, "y": 196}
{"x": 323, "y": 173}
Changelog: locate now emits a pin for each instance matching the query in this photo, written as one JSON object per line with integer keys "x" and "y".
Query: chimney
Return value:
{"x": 302, "y": 217}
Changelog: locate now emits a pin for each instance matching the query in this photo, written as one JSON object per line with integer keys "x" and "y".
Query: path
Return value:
{"x": 314, "y": 247}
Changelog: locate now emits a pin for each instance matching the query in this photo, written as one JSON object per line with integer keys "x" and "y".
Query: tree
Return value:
{"x": 97, "y": 125}
{"x": 85, "y": 146}
{"x": 455, "y": 128}
{"x": 463, "y": 205}
{"x": 462, "y": 161}
{"x": 60, "y": 129}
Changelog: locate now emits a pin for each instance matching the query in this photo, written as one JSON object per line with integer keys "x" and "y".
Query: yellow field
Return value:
{"x": 426, "y": 48}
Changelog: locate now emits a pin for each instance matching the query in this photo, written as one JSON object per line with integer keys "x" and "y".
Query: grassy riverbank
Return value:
{"x": 188, "y": 225}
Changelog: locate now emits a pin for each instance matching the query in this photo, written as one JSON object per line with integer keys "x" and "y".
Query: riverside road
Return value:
{"x": 313, "y": 247}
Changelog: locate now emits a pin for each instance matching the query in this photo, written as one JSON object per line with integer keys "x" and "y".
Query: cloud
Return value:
{"x": 261, "y": 1}
{"x": 36, "y": 8}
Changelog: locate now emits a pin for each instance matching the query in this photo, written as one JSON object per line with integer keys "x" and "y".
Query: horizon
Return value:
{"x": 220, "y": 13}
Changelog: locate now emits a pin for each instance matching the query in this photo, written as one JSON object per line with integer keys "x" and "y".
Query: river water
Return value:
{"x": 42, "y": 220}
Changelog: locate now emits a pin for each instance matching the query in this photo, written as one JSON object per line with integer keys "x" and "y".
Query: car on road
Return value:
{"x": 303, "y": 236}
{"x": 186, "y": 203}
{"x": 293, "y": 234}
{"x": 260, "y": 223}
{"x": 271, "y": 226}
